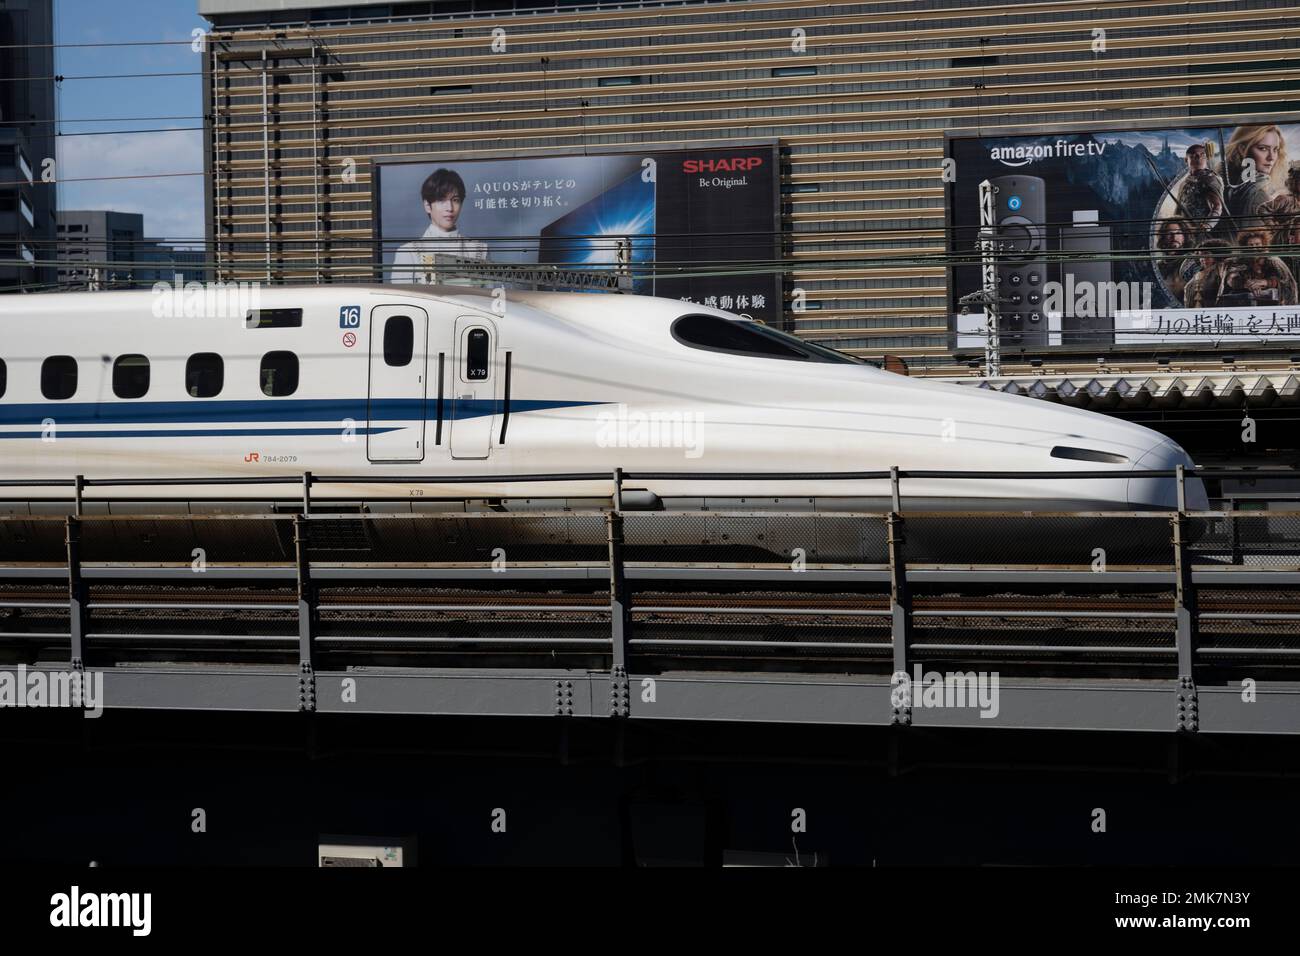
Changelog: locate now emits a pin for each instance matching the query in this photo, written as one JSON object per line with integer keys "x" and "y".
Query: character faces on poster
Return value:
{"x": 1263, "y": 145}
{"x": 444, "y": 212}
{"x": 1172, "y": 236}
{"x": 1200, "y": 200}
{"x": 1235, "y": 219}
{"x": 443, "y": 194}
{"x": 1266, "y": 150}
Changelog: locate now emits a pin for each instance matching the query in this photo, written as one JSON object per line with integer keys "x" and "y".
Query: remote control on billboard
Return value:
{"x": 1020, "y": 204}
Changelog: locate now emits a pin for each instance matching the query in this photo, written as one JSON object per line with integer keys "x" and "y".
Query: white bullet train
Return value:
{"x": 424, "y": 382}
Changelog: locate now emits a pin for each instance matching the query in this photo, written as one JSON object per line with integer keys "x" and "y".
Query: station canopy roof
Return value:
{"x": 1102, "y": 391}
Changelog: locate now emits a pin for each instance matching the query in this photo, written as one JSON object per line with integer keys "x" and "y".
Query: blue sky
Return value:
{"x": 172, "y": 207}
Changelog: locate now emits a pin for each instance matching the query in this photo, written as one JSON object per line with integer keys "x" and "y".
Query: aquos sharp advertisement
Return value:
{"x": 656, "y": 215}
{"x": 1168, "y": 235}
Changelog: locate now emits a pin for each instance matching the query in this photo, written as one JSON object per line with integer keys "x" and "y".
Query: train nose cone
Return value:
{"x": 1163, "y": 492}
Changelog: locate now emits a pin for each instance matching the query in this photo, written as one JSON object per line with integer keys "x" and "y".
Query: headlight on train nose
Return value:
{"x": 1163, "y": 492}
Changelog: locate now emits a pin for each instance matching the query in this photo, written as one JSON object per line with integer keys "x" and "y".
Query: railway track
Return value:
{"x": 1125, "y": 633}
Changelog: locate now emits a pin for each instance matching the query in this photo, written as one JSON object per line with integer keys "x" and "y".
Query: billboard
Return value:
{"x": 660, "y": 214}
{"x": 1131, "y": 236}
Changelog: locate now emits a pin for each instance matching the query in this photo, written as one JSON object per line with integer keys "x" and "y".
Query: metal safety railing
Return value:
{"x": 879, "y": 562}
{"x": 618, "y": 477}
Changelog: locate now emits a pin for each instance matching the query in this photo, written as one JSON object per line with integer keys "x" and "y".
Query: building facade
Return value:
{"x": 303, "y": 97}
{"x": 27, "y": 108}
{"x": 103, "y": 249}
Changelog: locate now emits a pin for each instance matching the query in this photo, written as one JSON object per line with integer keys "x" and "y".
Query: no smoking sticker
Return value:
{"x": 349, "y": 339}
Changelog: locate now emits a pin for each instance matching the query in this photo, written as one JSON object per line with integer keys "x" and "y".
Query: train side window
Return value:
{"x": 399, "y": 340}
{"x": 130, "y": 376}
{"x": 279, "y": 374}
{"x": 205, "y": 374}
{"x": 59, "y": 377}
{"x": 476, "y": 355}
{"x": 4, "y": 377}
{"x": 273, "y": 319}
{"x": 713, "y": 333}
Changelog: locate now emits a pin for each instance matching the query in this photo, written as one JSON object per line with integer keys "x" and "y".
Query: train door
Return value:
{"x": 395, "y": 403}
{"x": 472, "y": 383}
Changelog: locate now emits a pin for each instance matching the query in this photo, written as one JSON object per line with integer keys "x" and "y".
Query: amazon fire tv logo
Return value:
{"x": 735, "y": 164}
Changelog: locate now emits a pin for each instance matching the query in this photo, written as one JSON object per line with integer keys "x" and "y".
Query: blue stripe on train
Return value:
{"x": 267, "y": 410}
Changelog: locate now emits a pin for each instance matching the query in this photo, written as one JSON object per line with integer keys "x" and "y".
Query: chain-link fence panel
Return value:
{"x": 541, "y": 630}
{"x": 1249, "y": 539}
{"x": 804, "y": 630}
{"x": 758, "y": 641}
{"x": 203, "y": 621}
{"x": 224, "y": 623}
{"x": 793, "y": 538}
{"x": 459, "y": 615}
{"x": 1248, "y": 599}
{"x": 197, "y": 591}
{"x": 782, "y": 600}
{"x": 32, "y": 540}
{"x": 1045, "y": 633}
{"x": 1249, "y": 631}
{"x": 30, "y": 609}
{"x": 1249, "y": 625}
{"x": 1026, "y": 539}
{"x": 451, "y": 626}
{"x": 188, "y": 539}
{"x": 460, "y": 538}
{"x": 1085, "y": 625}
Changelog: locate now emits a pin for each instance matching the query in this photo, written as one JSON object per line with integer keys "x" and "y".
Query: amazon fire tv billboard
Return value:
{"x": 1164, "y": 235}
{"x": 664, "y": 213}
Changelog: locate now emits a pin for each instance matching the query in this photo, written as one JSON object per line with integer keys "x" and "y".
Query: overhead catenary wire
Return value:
{"x": 695, "y": 266}
{"x": 102, "y": 119}
{"x": 716, "y": 268}
{"x": 810, "y": 236}
{"x": 102, "y": 43}
{"x": 656, "y": 269}
{"x": 766, "y": 235}
{"x": 61, "y": 78}
{"x": 94, "y": 179}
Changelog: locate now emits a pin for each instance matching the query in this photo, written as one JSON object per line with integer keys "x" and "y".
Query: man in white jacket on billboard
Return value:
{"x": 431, "y": 258}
